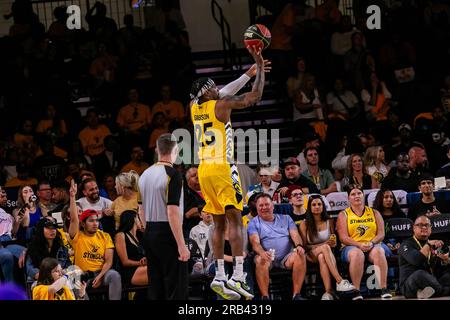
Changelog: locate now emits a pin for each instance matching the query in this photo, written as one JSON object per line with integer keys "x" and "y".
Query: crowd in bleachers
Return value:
{"x": 369, "y": 109}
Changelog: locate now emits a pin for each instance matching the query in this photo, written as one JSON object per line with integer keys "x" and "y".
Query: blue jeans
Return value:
{"x": 8, "y": 257}
{"x": 346, "y": 250}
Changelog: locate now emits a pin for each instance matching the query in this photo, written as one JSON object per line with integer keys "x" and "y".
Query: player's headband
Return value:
{"x": 200, "y": 87}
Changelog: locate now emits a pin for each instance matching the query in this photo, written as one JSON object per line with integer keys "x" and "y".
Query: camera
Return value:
{"x": 443, "y": 250}
{"x": 33, "y": 198}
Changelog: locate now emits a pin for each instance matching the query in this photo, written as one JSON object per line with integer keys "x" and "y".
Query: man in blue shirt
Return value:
{"x": 277, "y": 243}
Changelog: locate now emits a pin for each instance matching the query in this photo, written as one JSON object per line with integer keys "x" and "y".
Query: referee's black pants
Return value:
{"x": 168, "y": 277}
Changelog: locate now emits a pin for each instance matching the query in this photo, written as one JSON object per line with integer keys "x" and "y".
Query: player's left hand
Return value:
{"x": 252, "y": 71}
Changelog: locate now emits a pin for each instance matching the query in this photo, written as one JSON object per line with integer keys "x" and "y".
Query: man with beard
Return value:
{"x": 92, "y": 200}
{"x": 418, "y": 160}
{"x": 400, "y": 177}
{"x": 293, "y": 176}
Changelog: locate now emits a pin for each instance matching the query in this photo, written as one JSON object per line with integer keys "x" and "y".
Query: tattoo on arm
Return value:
{"x": 234, "y": 98}
{"x": 259, "y": 80}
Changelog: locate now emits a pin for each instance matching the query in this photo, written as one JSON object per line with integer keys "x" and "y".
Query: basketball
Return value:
{"x": 257, "y": 35}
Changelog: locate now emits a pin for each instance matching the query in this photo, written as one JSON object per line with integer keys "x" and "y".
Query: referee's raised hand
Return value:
{"x": 184, "y": 253}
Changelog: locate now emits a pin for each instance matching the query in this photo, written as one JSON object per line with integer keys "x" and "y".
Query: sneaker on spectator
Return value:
{"x": 327, "y": 296}
{"x": 240, "y": 286}
{"x": 298, "y": 296}
{"x": 385, "y": 294}
{"x": 425, "y": 293}
{"x": 344, "y": 285}
{"x": 357, "y": 296}
{"x": 219, "y": 287}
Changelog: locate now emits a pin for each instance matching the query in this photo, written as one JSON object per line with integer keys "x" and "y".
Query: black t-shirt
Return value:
{"x": 297, "y": 217}
{"x": 301, "y": 181}
{"x": 420, "y": 208}
{"x": 49, "y": 167}
{"x": 394, "y": 182}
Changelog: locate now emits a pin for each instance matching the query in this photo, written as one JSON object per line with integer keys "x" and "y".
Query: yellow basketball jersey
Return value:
{"x": 214, "y": 138}
{"x": 364, "y": 228}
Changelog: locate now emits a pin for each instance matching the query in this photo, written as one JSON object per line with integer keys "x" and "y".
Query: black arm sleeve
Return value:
{"x": 175, "y": 186}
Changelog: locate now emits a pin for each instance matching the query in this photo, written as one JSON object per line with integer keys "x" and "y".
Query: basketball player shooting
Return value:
{"x": 218, "y": 175}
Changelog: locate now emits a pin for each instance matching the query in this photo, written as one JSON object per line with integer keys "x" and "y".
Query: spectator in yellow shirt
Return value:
{"x": 137, "y": 164}
{"x": 173, "y": 110}
{"x": 93, "y": 248}
{"x": 93, "y": 134}
{"x": 135, "y": 116}
{"x": 127, "y": 189}
{"x": 51, "y": 123}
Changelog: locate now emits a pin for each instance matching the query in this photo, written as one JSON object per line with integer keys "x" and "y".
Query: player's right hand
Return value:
{"x": 256, "y": 54}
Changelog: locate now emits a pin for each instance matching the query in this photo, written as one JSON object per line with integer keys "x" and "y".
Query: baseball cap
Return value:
{"x": 51, "y": 224}
{"x": 404, "y": 126}
{"x": 87, "y": 213}
{"x": 291, "y": 160}
{"x": 424, "y": 177}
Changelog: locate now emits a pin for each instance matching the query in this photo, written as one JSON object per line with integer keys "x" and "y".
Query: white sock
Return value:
{"x": 238, "y": 266}
{"x": 220, "y": 269}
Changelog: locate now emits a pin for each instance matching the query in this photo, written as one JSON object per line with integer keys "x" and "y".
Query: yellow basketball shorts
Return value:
{"x": 221, "y": 187}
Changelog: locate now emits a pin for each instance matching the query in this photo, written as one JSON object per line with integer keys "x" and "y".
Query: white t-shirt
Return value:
{"x": 348, "y": 97}
{"x": 6, "y": 223}
{"x": 310, "y": 115}
{"x": 100, "y": 205}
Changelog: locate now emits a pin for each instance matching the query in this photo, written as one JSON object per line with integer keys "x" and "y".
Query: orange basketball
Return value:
{"x": 257, "y": 35}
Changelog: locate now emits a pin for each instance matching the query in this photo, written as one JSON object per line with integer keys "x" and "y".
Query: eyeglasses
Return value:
{"x": 296, "y": 194}
{"x": 422, "y": 225}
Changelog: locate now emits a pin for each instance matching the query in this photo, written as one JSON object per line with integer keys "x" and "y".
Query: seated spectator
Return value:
{"x": 46, "y": 242}
{"x": 52, "y": 124}
{"x": 60, "y": 196}
{"x": 252, "y": 212}
{"x": 93, "y": 135}
{"x": 355, "y": 61}
{"x": 278, "y": 233}
{"x": 386, "y": 204}
{"x": 375, "y": 165}
{"x": 444, "y": 171}
{"x": 159, "y": 127}
{"x": 104, "y": 67}
{"x": 48, "y": 166}
{"x": 23, "y": 177}
{"x": 93, "y": 248}
{"x": 361, "y": 231}
{"x": 200, "y": 232}
{"x": 172, "y": 109}
{"x": 127, "y": 188}
{"x": 27, "y": 213}
{"x": 418, "y": 160}
{"x": 310, "y": 139}
{"x": 135, "y": 117}
{"x": 296, "y": 199}
{"x": 322, "y": 178}
{"x": 400, "y": 177}
{"x": 294, "y": 82}
{"x": 266, "y": 184}
{"x": 52, "y": 284}
{"x": 342, "y": 103}
{"x": 356, "y": 175}
{"x": 427, "y": 205}
{"x": 317, "y": 234}
{"x": 109, "y": 185}
{"x": 293, "y": 176}
{"x": 9, "y": 254}
{"x": 376, "y": 98}
{"x": 423, "y": 267}
{"x": 136, "y": 164}
{"x": 341, "y": 40}
{"x": 24, "y": 137}
{"x": 133, "y": 263}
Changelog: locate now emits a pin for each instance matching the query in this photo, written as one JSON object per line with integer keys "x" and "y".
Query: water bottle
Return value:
{"x": 272, "y": 254}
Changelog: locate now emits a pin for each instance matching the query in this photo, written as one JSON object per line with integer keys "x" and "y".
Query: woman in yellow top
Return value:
{"x": 127, "y": 189}
{"x": 53, "y": 285}
{"x": 361, "y": 231}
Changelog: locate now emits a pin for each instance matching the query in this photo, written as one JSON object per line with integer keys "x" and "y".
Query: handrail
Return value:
{"x": 226, "y": 33}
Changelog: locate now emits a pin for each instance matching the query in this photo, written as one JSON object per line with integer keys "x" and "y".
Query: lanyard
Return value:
{"x": 429, "y": 253}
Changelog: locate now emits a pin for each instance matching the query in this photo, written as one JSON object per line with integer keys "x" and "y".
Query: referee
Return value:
{"x": 161, "y": 191}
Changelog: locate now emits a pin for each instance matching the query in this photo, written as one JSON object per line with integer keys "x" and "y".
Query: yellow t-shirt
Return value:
{"x": 174, "y": 110}
{"x": 121, "y": 204}
{"x": 364, "y": 228}
{"x": 40, "y": 292}
{"x": 132, "y": 166}
{"x": 92, "y": 139}
{"x": 66, "y": 242}
{"x": 90, "y": 251}
{"x": 214, "y": 137}
{"x": 43, "y": 125}
{"x": 133, "y": 118}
